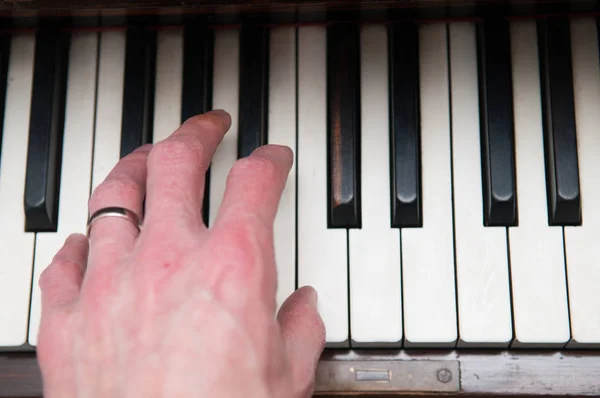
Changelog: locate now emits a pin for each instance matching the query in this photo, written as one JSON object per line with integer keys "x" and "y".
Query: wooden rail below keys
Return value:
{"x": 275, "y": 11}
{"x": 405, "y": 373}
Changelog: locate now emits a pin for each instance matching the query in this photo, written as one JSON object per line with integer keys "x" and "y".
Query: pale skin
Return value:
{"x": 179, "y": 309}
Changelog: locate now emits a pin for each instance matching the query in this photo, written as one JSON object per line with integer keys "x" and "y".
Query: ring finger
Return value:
{"x": 124, "y": 187}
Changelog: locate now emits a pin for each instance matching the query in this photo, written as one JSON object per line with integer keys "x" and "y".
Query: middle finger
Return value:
{"x": 177, "y": 170}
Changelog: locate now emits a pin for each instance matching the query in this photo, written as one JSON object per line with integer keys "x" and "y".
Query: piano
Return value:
{"x": 444, "y": 191}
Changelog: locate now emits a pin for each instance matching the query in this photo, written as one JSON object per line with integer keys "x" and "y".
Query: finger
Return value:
{"x": 254, "y": 186}
{"x": 177, "y": 170}
{"x": 125, "y": 185}
{"x": 245, "y": 220}
{"x": 60, "y": 282}
{"x": 60, "y": 285}
{"x": 303, "y": 333}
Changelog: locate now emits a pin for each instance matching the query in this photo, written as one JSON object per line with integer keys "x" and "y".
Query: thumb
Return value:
{"x": 303, "y": 334}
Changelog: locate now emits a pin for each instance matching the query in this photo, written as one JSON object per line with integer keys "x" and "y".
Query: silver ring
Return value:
{"x": 114, "y": 212}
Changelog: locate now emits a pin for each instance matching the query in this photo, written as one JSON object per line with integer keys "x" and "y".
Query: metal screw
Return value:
{"x": 444, "y": 375}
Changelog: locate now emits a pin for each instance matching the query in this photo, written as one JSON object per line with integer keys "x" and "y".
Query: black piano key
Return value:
{"x": 560, "y": 136}
{"x": 405, "y": 127}
{"x": 343, "y": 126}
{"x": 138, "y": 89}
{"x": 46, "y": 130}
{"x": 196, "y": 96}
{"x": 198, "y": 47}
{"x": 254, "y": 89}
{"x": 497, "y": 124}
{"x": 4, "y": 57}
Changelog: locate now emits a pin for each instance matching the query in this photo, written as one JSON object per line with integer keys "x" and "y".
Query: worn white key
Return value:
{"x": 76, "y": 162}
{"x": 226, "y": 97}
{"x": 16, "y": 245}
{"x": 482, "y": 278}
{"x": 427, "y": 252}
{"x": 282, "y": 131}
{"x": 375, "y": 272}
{"x": 169, "y": 75}
{"x": 581, "y": 243}
{"x": 322, "y": 258}
{"x": 107, "y": 139}
{"x": 540, "y": 307}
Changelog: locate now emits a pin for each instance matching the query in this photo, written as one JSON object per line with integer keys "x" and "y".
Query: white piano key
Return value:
{"x": 581, "y": 243}
{"x": 169, "y": 75}
{"x": 322, "y": 252}
{"x": 76, "y": 167}
{"x": 482, "y": 277}
{"x": 428, "y": 252}
{"x": 107, "y": 139}
{"x": 540, "y": 307}
{"x": 375, "y": 272}
{"x": 226, "y": 97}
{"x": 282, "y": 131}
{"x": 16, "y": 245}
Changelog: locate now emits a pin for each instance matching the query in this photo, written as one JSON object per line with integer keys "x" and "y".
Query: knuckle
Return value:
{"x": 243, "y": 269}
{"x": 179, "y": 150}
{"x": 47, "y": 277}
{"x": 49, "y": 280}
{"x": 248, "y": 244}
{"x": 60, "y": 268}
{"x": 121, "y": 187}
{"x": 247, "y": 227}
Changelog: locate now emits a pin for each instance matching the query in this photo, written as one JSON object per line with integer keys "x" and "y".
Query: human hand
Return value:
{"x": 179, "y": 310}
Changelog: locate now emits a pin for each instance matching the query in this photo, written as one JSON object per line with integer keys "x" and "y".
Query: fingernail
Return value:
{"x": 221, "y": 116}
{"x": 73, "y": 237}
{"x": 144, "y": 148}
{"x": 219, "y": 112}
{"x": 284, "y": 159}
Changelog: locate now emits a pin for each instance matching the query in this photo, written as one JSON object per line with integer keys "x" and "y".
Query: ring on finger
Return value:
{"x": 114, "y": 211}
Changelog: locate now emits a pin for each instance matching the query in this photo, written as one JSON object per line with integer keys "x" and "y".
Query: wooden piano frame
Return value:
{"x": 365, "y": 372}
{"x": 402, "y": 373}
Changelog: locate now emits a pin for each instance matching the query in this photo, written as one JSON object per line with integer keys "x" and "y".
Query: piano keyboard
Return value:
{"x": 445, "y": 181}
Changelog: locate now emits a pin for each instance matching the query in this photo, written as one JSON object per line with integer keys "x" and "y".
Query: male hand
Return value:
{"x": 179, "y": 310}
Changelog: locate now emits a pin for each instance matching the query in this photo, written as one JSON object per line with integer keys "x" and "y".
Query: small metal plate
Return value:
{"x": 388, "y": 376}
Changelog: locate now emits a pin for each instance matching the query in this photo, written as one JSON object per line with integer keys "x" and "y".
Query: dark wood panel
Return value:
{"x": 248, "y": 4}
{"x": 19, "y": 376}
{"x": 232, "y": 9}
{"x": 450, "y": 373}
{"x": 213, "y": 13}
